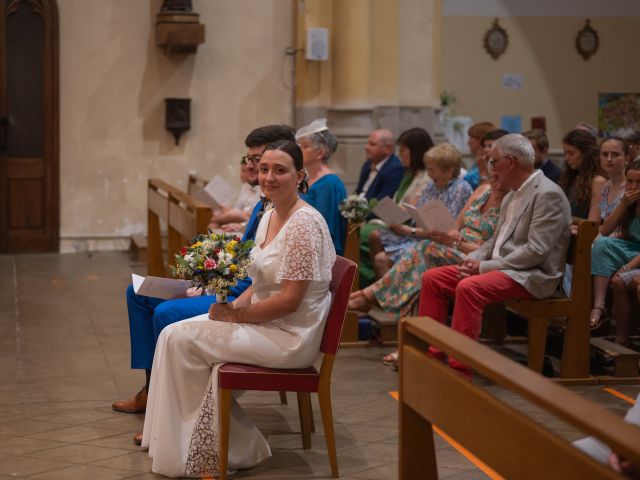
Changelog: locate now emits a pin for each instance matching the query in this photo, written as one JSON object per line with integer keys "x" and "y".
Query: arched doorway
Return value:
{"x": 29, "y": 131}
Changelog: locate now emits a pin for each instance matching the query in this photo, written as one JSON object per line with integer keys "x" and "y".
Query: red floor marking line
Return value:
{"x": 470, "y": 456}
{"x": 620, "y": 395}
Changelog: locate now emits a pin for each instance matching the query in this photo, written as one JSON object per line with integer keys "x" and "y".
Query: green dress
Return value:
{"x": 401, "y": 284}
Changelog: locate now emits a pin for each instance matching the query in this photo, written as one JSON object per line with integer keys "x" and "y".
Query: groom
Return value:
{"x": 148, "y": 316}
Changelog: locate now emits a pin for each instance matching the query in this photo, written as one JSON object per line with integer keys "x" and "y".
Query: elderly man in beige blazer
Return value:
{"x": 524, "y": 258}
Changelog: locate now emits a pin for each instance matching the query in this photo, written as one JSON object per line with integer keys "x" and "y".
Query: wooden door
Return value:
{"x": 29, "y": 191}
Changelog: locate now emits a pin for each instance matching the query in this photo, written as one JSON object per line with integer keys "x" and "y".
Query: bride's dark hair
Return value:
{"x": 293, "y": 150}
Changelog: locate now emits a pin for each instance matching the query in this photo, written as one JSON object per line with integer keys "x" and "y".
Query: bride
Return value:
{"x": 277, "y": 323}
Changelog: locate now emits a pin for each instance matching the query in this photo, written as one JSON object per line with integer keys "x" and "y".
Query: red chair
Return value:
{"x": 303, "y": 381}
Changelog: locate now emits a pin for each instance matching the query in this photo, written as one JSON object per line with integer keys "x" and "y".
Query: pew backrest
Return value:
{"x": 196, "y": 183}
{"x": 188, "y": 217}
{"x": 158, "y": 193}
{"x": 508, "y": 441}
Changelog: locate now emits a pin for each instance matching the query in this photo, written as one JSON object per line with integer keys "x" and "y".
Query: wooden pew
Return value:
{"x": 187, "y": 218}
{"x": 158, "y": 193}
{"x": 352, "y": 252}
{"x": 574, "y": 309}
{"x": 195, "y": 183}
{"x": 514, "y": 445}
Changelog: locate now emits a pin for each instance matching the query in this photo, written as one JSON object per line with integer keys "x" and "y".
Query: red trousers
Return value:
{"x": 471, "y": 295}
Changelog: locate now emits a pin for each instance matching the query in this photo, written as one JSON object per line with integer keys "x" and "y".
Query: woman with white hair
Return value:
{"x": 326, "y": 190}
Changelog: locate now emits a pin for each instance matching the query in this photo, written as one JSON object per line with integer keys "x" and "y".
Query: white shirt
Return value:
{"x": 372, "y": 175}
{"x": 510, "y": 216}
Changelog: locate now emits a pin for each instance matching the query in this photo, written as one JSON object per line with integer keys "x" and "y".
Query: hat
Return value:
{"x": 318, "y": 125}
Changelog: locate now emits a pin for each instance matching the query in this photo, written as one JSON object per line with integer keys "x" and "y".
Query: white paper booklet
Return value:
{"x": 159, "y": 287}
{"x": 217, "y": 192}
{"x": 390, "y": 213}
{"x": 433, "y": 215}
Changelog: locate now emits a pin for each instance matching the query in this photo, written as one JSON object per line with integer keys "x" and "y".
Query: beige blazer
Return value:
{"x": 535, "y": 247}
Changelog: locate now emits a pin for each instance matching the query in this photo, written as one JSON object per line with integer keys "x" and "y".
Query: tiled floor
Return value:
{"x": 64, "y": 357}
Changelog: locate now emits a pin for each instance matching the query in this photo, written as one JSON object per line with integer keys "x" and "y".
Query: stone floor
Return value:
{"x": 64, "y": 357}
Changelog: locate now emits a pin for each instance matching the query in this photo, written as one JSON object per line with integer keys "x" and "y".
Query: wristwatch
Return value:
{"x": 413, "y": 231}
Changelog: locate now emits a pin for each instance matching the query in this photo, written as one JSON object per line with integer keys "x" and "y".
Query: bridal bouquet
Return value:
{"x": 214, "y": 262}
{"x": 356, "y": 209}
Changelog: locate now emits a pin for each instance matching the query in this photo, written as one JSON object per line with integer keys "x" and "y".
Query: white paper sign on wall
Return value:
{"x": 512, "y": 81}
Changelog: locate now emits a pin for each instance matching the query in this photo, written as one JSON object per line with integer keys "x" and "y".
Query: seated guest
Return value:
{"x": 397, "y": 290}
{"x": 616, "y": 254}
{"x": 478, "y": 171}
{"x": 412, "y": 145}
{"x": 540, "y": 145}
{"x": 326, "y": 190}
{"x": 382, "y": 173}
{"x": 614, "y": 159}
{"x": 523, "y": 259}
{"x": 148, "y": 316}
{"x": 582, "y": 179}
{"x": 398, "y": 286}
{"x": 247, "y": 197}
{"x": 277, "y": 322}
{"x": 443, "y": 166}
{"x": 632, "y": 137}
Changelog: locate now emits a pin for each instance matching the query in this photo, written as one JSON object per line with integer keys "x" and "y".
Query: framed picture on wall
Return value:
{"x": 618, "y": 110}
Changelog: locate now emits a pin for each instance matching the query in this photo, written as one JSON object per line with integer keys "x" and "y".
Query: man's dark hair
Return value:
{"x": 269, "y": 134}
{"x": 494, "y": 134}
{"x": 538, "y": 136}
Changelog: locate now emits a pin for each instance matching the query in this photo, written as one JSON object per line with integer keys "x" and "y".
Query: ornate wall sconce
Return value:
{"x": 178, "y": 29}
{"x": 177, "y": 116}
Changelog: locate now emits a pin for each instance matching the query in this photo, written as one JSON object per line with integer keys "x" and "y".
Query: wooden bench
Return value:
{"x": 352, "y": 252}
{"x": 188, "y": 217}
{"x": 574, "y": 309}
{"x": 514, "y": 445}
{"x": 625, "y": 360}
{"x": 158, "y": 193}
{"x": 195, "y": 183}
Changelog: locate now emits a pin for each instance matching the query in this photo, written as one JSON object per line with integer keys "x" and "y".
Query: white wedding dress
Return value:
{"x": 181, "y": 422}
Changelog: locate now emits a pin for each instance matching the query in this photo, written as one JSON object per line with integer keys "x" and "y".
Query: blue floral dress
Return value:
{"x": 454, "y": 196}
{"x": 605, "y": 207}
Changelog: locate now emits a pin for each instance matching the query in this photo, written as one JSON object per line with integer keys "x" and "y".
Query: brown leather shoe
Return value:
{"x": 137, "y": 438}
{"x": 137, "y": 404}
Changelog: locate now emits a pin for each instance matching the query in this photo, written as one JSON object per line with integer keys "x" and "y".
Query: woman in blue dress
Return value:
{"x": 443, "y": 166}
{"x": 326, "y": 190}
{"x": 618, "y": 252}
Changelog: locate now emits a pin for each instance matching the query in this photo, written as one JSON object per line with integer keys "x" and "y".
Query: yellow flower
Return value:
{"x": 196, "y": 245}
{"x": 233, "y": 268}
{"x": 231, "y": 245}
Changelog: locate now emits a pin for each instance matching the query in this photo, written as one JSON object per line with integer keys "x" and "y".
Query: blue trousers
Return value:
{"x": 148, "y": 316}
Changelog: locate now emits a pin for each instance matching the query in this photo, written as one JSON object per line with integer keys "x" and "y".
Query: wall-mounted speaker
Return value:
{"x": 317, "y": 44}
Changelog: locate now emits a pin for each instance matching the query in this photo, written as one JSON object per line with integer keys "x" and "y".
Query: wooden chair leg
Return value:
{"x": 575, "y": 349}
{"x": 324, "y": 396}
{"x": 304, "y": 407}
{"x": 225, "y": 418}
{"x": 537, "y": 332}
{"x": 283, "y": 398}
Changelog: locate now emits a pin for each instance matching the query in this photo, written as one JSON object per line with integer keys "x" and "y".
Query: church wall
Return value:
{"x": 557, "y": 83}
{"x": 113, "y": 82}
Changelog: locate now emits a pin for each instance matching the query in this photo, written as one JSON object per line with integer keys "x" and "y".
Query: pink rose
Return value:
{"x": 210, "y": 264}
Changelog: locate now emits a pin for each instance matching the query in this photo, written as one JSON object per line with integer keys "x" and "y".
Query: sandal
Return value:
{"x": 390, "y": 359}
{"x": 598, "y": 317}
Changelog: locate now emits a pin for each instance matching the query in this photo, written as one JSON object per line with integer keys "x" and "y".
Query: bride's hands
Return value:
{"x": 223, "y": 312}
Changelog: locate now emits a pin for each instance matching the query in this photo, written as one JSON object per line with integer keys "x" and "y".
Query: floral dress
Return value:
{"x": 454, "y": 196}
{"x": 609, "y": 254}
{"x": 605, "y": 207}
{"x": 396, "y": 289}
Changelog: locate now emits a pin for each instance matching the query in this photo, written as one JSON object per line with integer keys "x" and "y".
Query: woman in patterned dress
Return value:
{"x": 400, "y": 285}
{"x": 443, "y": 166}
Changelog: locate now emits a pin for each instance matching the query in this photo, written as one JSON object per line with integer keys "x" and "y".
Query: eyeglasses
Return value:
{"x": 493, "y": 161}
{"x": 253, "y": 159}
